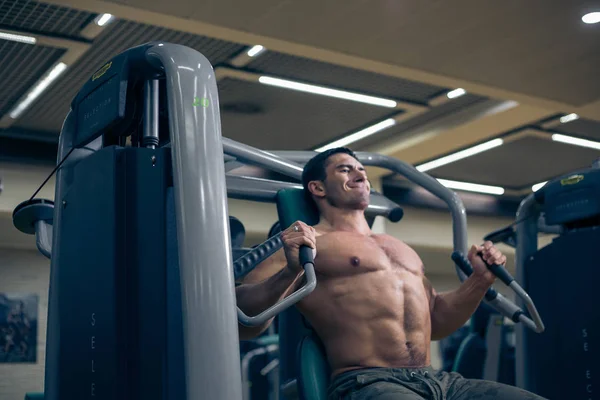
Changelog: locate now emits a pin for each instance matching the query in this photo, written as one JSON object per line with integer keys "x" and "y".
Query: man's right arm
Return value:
{"x": 275, "y": 278}
{"x": 268, "y": 283}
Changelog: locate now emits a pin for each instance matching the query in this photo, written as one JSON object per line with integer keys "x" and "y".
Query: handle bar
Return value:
{"x": 307, "y": 261}
{"x": 493, "y": 296}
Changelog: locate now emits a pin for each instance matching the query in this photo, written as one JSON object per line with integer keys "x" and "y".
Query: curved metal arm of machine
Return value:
{"x": 246, "y": 263}
{"x": 307, "y": 261}
{"x": 35, "y": 217}
{"x": 495, "y": 298}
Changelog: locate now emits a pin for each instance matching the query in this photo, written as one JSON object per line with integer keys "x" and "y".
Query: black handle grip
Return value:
{"x": 498, "y": 270}
{"x": 501, "y": 273}
{"x": 463, "y": 263}
{"x": 245, "y": 264}
{"x": 306, "y": 255}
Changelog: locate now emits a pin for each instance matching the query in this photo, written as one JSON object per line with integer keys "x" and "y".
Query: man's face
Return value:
{"x": 346, "y": 185}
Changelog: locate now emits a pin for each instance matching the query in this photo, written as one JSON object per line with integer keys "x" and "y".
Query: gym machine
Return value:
{"x": 562, "y": 276}
{"x": 487, "y": 350}
{"x": 142, "y": 302}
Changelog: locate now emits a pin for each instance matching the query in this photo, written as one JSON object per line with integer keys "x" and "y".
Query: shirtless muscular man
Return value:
{"x": 373, "y": 308}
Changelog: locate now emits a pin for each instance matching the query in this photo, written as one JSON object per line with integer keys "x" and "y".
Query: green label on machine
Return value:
{"x": 201, "y": 102}
{"x": 571, "y": 180}
{"x": 101, "y": 71}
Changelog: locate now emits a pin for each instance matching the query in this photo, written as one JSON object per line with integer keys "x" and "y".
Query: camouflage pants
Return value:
{"x": 418, "y": 384}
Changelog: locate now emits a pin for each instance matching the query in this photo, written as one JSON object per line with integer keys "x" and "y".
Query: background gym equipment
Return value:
{"x": 569, "y": 208}
{"x": 142, "y": 302}
{"x": 562, "y": 277}
{"x": 488, "y": 349}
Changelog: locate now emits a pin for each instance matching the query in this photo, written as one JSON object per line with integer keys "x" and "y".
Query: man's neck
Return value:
{"x": 344, "y": 220}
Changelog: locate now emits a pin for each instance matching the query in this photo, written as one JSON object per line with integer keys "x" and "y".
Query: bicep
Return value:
{"x": 266, "y": 269}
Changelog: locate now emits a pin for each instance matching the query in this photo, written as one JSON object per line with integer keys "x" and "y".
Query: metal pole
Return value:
{"x": 243, "y": 152}
{"x": 527, "y": 245}
{"x": 150, "y": 135}
{"x": 211, "y": 340}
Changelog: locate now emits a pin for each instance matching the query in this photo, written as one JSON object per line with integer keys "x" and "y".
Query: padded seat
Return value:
{"x": 302, "y": 356}
{"x": 314, "y": 370}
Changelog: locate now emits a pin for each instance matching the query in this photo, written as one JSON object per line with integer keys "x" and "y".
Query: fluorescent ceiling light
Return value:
{"x": 103, "y": 19}
{"x": 591, "y": 18}
{"x": 472, "y": 187}
{"x": 557, "y": 137}
{"x": 255, "y": 50}
{"x": 538, "y": 186}
{"x": 38, "y": 89}
{"x": 17, "y": 38}
{"x": 456, "y": 93}
{"x": 340, "y": 94}
{"x": 568, "y": 118}
{"x": 359, "y": 135}
{"x": 460, "y": 155}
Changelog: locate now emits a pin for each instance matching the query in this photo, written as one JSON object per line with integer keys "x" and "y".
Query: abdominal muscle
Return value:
{"x": 378, "y": 318}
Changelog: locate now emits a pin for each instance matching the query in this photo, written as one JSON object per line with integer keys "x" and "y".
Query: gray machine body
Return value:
{"x": 210, "y": 339}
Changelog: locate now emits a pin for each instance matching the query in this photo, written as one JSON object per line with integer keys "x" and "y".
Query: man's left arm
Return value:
{"x": 451, "y": 310}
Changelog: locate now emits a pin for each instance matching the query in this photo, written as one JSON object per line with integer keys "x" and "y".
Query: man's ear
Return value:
{"x": 317, "y": 188}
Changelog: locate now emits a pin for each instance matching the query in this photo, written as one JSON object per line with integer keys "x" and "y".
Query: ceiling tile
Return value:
{"x": 316, "y": 72}
{"x": 584, "y": 128}
{"x": 50, "y": 112}
{"x": 21, "y": 65}
{"x": 519, "y": 164}
{"x": 279, "y": 119}
{"x": 32, "y": 16}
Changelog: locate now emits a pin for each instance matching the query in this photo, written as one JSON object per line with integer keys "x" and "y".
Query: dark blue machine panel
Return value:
{"x": 562, "y": 279}
{"x": 114, "y": 280}
{"x": 92, "y": 304}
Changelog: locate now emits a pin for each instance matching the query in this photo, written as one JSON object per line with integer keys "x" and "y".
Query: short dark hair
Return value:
{"x": 316, "y": 168}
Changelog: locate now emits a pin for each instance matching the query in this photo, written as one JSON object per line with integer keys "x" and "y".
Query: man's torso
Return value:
{"x": 370, "y": 307}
